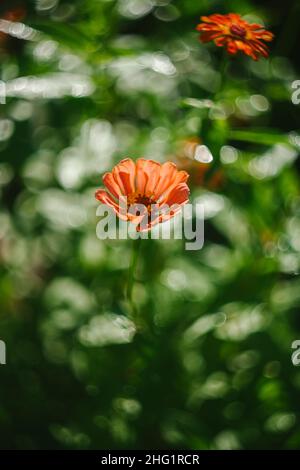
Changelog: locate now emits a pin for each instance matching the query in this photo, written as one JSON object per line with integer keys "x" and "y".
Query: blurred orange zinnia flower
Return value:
{"x": 144, "y": 192}
{"x": 236, "y": 34}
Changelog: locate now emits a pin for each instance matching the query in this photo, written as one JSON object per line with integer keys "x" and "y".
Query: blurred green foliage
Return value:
{"x": 87, "y": 83}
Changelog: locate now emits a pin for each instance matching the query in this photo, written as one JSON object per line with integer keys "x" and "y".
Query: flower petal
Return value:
{"x": 124, "y": 175}
{"x": 107, "y": 199}
{"x": 112, "y": 185}
{"x": 167, "y": 174}
{"x": 147, "y": 175}
{"x": 224, "y": 31}
{"x": 178, "y": 195}
{"x": 167, "y": 185}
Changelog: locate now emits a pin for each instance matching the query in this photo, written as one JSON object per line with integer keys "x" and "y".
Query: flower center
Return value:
{"x": 137, "y": 198}
{"x": 238, "y": 30}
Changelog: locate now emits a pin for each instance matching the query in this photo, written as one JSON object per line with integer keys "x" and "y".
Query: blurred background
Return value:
{"x": 84, "y": 84}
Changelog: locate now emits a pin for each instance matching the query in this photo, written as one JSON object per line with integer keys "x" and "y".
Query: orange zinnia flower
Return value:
{"x": 236, "y": 34}
{"x": 144, "y": 192}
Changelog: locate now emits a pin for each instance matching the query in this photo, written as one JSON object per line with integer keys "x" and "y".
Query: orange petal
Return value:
{"x": 207, "y": 27}
{"x": 211, "y": 36}
{"x": 167, "y": 174}
{"x": 141, "y": 177}
{"x": 178, "y": 177}
{"x": 124, "y": 175}
{"x": 147, "y": 174}
{"x": 153, "y": 169}
{"x": 256, "y": 27}
{"x": 178, "y": 195}
{"x": 106, "y": 199}
{"x": 111, "y": 185}
{"x": 265, "y": 35}
{"x": 235, "y": 18}
{"x": 221, "y": 41}
{"x": 255, "y": 49}
{"x": 232, "y": 47}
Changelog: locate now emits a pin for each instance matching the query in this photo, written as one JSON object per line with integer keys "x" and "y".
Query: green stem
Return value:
{"x": 131, "y": 272}
{"x": 223, "y": 73}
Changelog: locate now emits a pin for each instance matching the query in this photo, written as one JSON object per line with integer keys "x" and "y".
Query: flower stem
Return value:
{"x": 131, "y": 273}
{"x": 223, "y": 73}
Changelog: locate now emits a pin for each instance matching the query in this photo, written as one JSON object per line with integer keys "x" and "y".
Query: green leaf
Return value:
{"x": 266, "y": 137}
{"x": 62, "y": 33}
